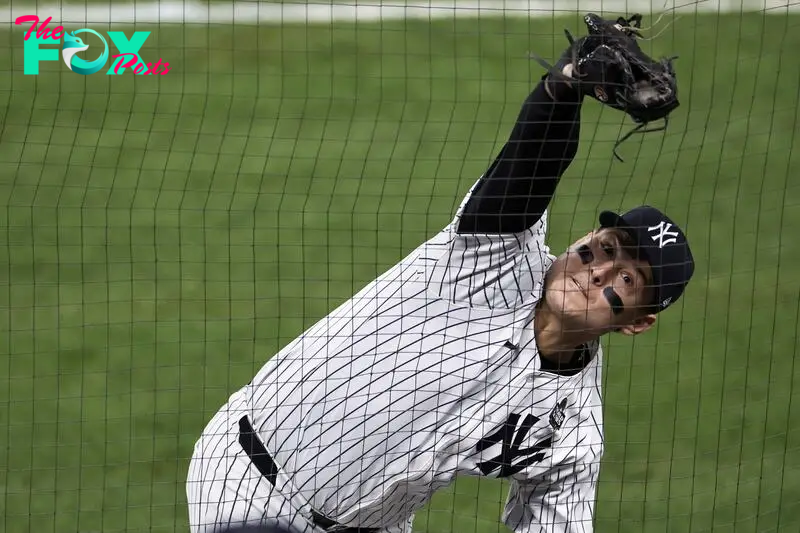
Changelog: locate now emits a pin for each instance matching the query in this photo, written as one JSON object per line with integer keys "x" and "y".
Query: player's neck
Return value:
{"x": 554, "y": 340}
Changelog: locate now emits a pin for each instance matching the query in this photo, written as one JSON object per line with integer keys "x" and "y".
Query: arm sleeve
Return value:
{"x": 563, "y": 502}
{"x": 493, "y": 254}
{"x": 515, "y": 191}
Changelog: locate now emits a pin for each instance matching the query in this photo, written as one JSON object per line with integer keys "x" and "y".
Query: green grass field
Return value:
{"x": 162, "y": 236}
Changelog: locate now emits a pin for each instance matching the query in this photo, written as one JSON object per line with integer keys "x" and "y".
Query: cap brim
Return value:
{"x": 609, "y": 219}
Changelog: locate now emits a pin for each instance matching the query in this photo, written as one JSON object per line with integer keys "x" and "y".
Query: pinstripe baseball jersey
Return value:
{"x": 431, "y": 371}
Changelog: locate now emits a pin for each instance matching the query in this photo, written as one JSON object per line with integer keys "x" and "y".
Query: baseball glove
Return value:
{"x": 608, "y": 65}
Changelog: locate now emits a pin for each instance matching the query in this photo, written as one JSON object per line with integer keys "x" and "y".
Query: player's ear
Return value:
{"x": 640, "y": 325}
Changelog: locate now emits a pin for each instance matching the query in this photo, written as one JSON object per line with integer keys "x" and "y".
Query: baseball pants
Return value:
{"x": 225, "y": 489}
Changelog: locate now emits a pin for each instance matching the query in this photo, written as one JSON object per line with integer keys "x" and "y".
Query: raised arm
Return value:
{"x": 515, "y": 191}
{"x": 608, "y": 66}
{"x": 493, "y": 254}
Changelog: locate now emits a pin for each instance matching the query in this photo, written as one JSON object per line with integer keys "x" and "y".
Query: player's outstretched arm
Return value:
{"x": 515, "y": 191}
{"x": 607, "y": 65}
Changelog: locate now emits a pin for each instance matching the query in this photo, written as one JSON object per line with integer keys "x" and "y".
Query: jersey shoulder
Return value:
{"x": 487, "y": 270}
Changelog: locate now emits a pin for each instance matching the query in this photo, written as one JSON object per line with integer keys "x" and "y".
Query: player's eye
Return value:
{"x": 585, "y": 253}
{"x": 608, "y": 249}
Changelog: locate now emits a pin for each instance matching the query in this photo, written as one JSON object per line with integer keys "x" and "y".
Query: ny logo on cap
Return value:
{"x": 662, "y": 235}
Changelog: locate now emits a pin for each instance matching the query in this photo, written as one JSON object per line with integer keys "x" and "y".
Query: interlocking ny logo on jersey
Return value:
{"x": 662, "y": 235}
{"x": 512, "y": 438}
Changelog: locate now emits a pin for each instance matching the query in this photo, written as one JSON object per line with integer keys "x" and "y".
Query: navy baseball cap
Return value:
{"x": 662, "y": 244}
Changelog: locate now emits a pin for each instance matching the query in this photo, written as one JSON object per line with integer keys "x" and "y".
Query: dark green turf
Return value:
{"x": 161, "y": 237}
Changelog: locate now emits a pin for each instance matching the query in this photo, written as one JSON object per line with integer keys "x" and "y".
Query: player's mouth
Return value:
{"x": 580, "y": 287}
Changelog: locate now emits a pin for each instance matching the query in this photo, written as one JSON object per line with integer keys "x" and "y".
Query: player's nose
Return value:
{"x": 601, "y": 272}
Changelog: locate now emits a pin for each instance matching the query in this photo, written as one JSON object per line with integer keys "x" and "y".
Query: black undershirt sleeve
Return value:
{"x": 515, "y": 191}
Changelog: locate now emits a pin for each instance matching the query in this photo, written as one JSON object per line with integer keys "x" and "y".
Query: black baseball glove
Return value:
{"x": 608, "y": 65}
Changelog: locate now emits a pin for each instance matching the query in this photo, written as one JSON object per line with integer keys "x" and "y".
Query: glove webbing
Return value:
{"x": 627, "y": 25}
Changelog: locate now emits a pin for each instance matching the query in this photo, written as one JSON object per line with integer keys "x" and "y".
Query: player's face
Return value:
{"x": 598, "y": 285}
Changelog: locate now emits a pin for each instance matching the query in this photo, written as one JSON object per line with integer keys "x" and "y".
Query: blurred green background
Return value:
{"x": 162, "y": 236}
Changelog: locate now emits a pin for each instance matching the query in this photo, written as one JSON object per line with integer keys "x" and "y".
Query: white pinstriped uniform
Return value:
{"x": 386, "y": 400}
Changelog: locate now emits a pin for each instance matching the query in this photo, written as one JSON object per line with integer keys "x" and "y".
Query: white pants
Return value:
{"x": 224, "y": 489}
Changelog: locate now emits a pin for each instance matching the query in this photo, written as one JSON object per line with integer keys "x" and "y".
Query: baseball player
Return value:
{"x": 478, "y": 354}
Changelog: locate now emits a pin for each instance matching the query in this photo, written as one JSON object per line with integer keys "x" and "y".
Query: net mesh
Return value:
{"x": 161, "y": 236}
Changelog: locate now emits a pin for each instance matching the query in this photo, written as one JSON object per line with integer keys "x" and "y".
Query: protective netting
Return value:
{"x": 161, "y": 236}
